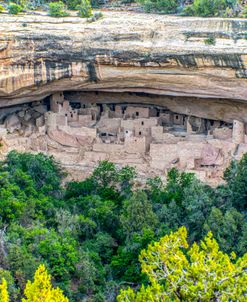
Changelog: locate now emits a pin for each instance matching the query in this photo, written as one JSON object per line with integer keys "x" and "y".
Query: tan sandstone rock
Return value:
{"x": 126, "y": 52}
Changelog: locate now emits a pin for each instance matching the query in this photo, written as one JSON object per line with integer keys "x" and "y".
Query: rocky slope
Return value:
{"x": 122, "y": 52}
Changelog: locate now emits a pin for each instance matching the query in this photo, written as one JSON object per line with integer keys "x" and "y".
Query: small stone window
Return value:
{"x": 140, "y": 133}
{"x": 142, "y": 123}
{"x": 71, "y": 115}
{"x": 176, "y": 117}
{"x": 137, "y": 113}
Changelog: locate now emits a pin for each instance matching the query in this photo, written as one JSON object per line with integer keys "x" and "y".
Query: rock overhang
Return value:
{"x": 123, "y": 52}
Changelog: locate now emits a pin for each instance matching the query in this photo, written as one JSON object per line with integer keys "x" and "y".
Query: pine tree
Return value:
{"x": 203, "y": 273}
{"x": 41, "y": 290}
{"x": 4, "y": 296}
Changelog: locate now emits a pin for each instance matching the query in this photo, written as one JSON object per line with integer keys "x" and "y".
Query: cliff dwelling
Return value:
{"x": 82, "y": 128}
{"x": 118, "y": 90}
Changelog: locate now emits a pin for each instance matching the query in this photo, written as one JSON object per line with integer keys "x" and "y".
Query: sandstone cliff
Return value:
{"x": 124, "y": 52}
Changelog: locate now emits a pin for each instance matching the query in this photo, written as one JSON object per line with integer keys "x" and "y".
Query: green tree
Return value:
{"x": 155, "y": 190}
{"x": 125, "y": 265}
{"x": 196, "y": 205}
{"x": 204, "y": 273}
{"x": 163, "y": 6}
{"x": 14, "y": 9}
{"x": 45, "y": 172}
{"x": 126, "y": 177}
{"x": 228, "y": 228}
{"x": 105, "y": 178}
{"x": 111, "y": 182}
{"x": 57, "y": 9}
{"x": 82, "y": 188}
{"x": 183, "y": 201}
{"x": 137, "y": 215}
{"x": 138, "y": 222}
{"x": 30, "y": 246}
{"x": 84, "y": 9}
{"x": 72, "y": 4}
{"x": 210, "y": 8}
{"x": 91, "y": 274}
{"x": 236, "y": 178}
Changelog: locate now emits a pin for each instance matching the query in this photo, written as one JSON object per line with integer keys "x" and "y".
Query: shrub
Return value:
{"x": 188, "y": 10}
{"x": 127, "y": 1}
{"x": 231, "y": 12}
{"x": 57, "y": 9}
{"x": 22, "y": 3}
{"x": 148, "y": 6}
{"x": 14, "y": 9}
{"x": 163, "y": 6}
{"x": 1, "y": 8}
{"x": 210, "y": 41}
{"x": 210, "y": 8}
{"x": 72, "y": 4}
{"x": 84, "y": 9}
{"x": 244, "y": 12}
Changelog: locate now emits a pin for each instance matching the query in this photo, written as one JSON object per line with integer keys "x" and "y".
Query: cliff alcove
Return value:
{"x": 190, "y": 96}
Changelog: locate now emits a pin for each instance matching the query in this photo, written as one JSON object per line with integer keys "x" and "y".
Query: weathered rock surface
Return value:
{"x": 123, "y": 52}
{"x": 12, "y": 122}
{"x": 150, "y": 59}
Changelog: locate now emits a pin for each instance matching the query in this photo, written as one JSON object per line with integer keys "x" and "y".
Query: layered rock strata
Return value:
{"x": 122, "y": 52}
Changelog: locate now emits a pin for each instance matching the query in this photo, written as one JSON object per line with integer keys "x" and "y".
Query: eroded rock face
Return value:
{"x": 122, "y": 52}
{"x": 125, "y": 58}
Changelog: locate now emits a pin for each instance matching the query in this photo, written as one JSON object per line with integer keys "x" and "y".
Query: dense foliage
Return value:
{"x": 84, "y": 9}
{"x": 163, "y": 6}
{"x": 89, "y": 234}
{"x": 203, "y": 8}
{"x": 40, "y": 290}
{"x": 199, "y": 273}
{"x": 14, "y": 9}
{"x": 57, "y": 9}
{"x": 210, "y": 8}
